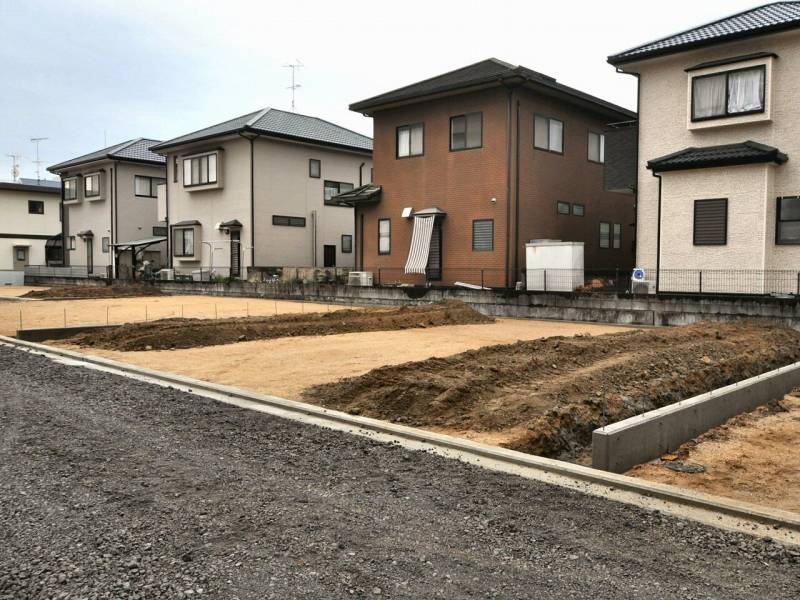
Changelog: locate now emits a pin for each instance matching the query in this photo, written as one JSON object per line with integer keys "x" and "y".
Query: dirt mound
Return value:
{"x": 106, "y": 291}
{"x": 547, "y": 396}
{"x": 190, "y": 333}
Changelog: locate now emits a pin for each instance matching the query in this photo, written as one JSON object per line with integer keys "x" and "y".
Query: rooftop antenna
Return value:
{"x": 15, "y": 166}
{"x": 38, "y": 162}
{"x": 294, "y": 67}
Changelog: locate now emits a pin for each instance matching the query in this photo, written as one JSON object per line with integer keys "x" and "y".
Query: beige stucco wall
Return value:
{"x": 282, "y": 187}
{"x": 665, "y": 128}
{"x": 17, "y": 221}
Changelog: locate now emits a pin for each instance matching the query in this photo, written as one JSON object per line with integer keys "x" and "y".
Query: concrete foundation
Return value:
{"x": 637, "y": 440}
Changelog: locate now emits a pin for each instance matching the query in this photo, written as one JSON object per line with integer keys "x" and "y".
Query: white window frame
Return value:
{"x": 384, "y": 236}
{"x": 182, "y": 231}
{"x": 404, "y": 136}
{"x": 201, "y": 164}
{"x": 601, "y": 147}
{"x": 551, "y": 123}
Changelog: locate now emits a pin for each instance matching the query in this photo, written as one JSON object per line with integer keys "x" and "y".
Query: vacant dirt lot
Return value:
{"x": 18, "y": 290}
{"x": 753, "y": 457}
{"x": 286, "y": 366}
{"x": 547, "y": 396}
{"x": 192, "y": 333}
{"x": 106, "y": 291}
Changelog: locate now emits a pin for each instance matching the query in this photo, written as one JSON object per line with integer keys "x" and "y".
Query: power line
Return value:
{"x": 294, "y": 67}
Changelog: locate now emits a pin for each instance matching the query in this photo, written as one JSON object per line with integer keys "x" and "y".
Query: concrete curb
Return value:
{"x": 617, "y": 487}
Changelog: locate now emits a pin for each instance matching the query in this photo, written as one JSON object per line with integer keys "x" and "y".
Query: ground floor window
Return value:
{"x": 711, "y": 222}
{"x": 384, "y": 236}
{"x": 71, "y": 242}
{"x": 617, "y": 240}
{"x": 183, "y": 242}
{"x": 105, "y": 243}
{"x": 483, "y": 235}
{"x": 605, "y": 235}
{"x": 788, "y": 216}
{"x": 347, "y": 244}
{"x": 22, "y": 254}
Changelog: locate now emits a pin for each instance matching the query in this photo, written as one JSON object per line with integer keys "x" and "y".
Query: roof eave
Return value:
{"x": 779, "y": 158}
{"x": 65, "y": 166}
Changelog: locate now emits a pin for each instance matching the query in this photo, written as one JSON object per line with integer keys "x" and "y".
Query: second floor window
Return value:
{"x": 728, "y": 94}
{"x": 605, "y": 235}
{"x": 200, "y": 170}
{"x": 91, "y": 185}
{"x": 466, "y": 131}
{"x": 35, "y": 207}
{"x": 562, "y": 208}
{"x": 70, "y": 189}
{"x": 147, "y": 186}
{"x": 597, "y": 147}
{"x": 410, "y": 140}
{"x": 104, "y": 244}
{"x": 548, "y": 134}
{"x": 183, "y": 242}
{"x": 314, "y": 168}
{"x": 334, "y": 188}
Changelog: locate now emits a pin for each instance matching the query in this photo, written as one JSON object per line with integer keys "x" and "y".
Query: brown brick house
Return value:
{"x": 497, "y": 155}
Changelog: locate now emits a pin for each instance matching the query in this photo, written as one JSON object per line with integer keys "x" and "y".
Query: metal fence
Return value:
{"x": 77, "y": 271}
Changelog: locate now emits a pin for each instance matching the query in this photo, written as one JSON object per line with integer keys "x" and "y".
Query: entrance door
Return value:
{"x": 236, "y": 255}
{"x": 20, "y": 257}
{"x": 434, "y": 267}
{"x": 329, "y": 256}
{"x": 89, "y": 255}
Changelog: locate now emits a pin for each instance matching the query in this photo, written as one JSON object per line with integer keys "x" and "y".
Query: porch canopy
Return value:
{"x": 366, "y": 194}
{"x": 136, "y": 244}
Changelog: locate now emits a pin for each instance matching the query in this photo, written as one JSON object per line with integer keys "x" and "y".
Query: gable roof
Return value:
{"x": 769, "y": 18}
{"x": 278, "y": 123}
{"x": 743, "y": 153}
{"x": 491, "y": 71}
{"x": 32, "y": 185}
{"x": 137, "y": 150}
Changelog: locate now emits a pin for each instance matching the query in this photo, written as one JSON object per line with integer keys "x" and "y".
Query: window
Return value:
{"x": 91, "y": 185}
{"x": 314, "y": 168}
{"x": 597, "y": 147}
{"x": 562, "y": 208}
{"x": 159, "y": 231}
{"x": 71, "y": 243}
{"x": 384, "y": 236}
{"x": 284, "y": 221}
{"x": 347, "y": 244}
{"x": 731, "y": 93}
{"x": 200, "y": 170}
{"x": 711, "y": 222}
{"x": 605, "y": 235}
{"x": 617, "y": 241}
{"x": 548, "y": 134}
{"x": 106, "y": 242}
{"x": 466, "y": 131}
{"x": 410, "y": 140}
{"x": 175, "y": 169}
{"x": 183, "y": 242}
{"x": 788, "y": 221}
{"x": 22, "y": 254}
{"x": 334, "y": 188}
{"x": 70, "y": 189}
{"x": 35, "y": 207}
{"x": 578, "y": 210}
{"x": 483, "y": 235}
{"x": 146, "y": 187}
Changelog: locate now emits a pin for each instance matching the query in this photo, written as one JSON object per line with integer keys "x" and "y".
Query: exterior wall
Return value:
{"x": 282, "y": 186}
{"x": 663, "y": 129}
{"x": 16, "y": 221}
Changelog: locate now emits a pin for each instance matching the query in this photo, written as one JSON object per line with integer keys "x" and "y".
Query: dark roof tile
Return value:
{"x": 137, "y": 150}
{"x": 743, "y": 153}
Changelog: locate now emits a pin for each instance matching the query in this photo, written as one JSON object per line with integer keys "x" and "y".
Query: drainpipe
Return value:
{"x": 508, "y": 179}
{"x": 360, "y": 174}
{"x": 64, "y": 217}
{"x": 516, "y": 199}
{"x": 115, "y": 234}
{"x": 658, "y": 234}
{"x": 166, "y": 212}
{"x": 635, "y": 189}
{"x": 252, "y": 137}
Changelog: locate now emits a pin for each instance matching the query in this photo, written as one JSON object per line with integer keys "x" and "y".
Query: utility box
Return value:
{"x": 553, "y": 266}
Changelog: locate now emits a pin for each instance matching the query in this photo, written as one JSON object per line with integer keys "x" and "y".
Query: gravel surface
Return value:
{"x": 111, "y": 488}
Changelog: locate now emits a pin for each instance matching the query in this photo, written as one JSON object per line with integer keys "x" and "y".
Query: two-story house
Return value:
{"x": 253, "y": 194}
{"x": 473, "y": 164}
{"x": 719, "y": 129}
{"x": 109, "y": 200}
{"x": 30, "y": 210}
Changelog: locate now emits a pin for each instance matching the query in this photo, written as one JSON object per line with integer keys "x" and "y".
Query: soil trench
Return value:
{"x": 546, "y": 396}
{"x": 169, "y": 334}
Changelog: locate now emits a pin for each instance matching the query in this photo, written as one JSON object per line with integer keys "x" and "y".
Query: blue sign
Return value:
{"x": 639, "y": 274}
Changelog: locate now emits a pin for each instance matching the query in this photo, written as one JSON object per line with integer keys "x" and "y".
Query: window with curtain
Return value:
{"x": 578, "y": 210}
{"x": 347, "y": 244}
{"x": 384, "y": 236}
{"x": 70, "y": 189}
{"x": 200, "y": 170}
{"x": 91, "y": 185}
{"x": 410, "y": 140}
{"x": 728, "y": 94}
{"x": 597, "y": 147}
{"x": 334, "y": 188}
{"x": 788, "y": 226}
{"x": 466, "y": 131}
{"x": 183, "y": 242}
{"x": 314, "y": 168}
{"x": 147, "y": 187}
{"x": 605, "y": 235}
{"x": 548, "y": 134}
{"x": 617, "y": 241}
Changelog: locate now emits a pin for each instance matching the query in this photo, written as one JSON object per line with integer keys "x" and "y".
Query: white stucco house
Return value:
{"x": 252, "y": 195}
{"x": 719, "y": 136}
{"x": 110, "y": 223}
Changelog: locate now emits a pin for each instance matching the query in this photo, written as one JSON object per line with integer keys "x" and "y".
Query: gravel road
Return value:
{"x": 110, "y": 488}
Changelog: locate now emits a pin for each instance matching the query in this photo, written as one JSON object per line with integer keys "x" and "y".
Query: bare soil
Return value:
{"x": 546, "y": 396}
{"x": 191, "y": 333}
{"x": 108, "y": 291}
{"x": 753, "y": 458}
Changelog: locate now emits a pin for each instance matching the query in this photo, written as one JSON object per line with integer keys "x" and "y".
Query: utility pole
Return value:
{"x": 38, "y": 162}
{"x": 294, "y": 67}
{"x": 14, "y": 166}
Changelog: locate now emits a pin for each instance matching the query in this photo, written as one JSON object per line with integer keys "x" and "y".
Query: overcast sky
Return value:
{"x": 81, "y": 72}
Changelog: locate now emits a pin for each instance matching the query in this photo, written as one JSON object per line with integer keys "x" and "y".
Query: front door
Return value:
{"x": 434, "y": 267}
{"x": 236, "y": 261}
{"x": 20, "y": 257}
{"x": 329, "y": 256}
{"x": 89, "y": 255}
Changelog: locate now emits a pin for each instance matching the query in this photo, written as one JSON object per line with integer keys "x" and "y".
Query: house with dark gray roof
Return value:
{"x": 719, "y": 131}
{"x": 472, "y": 164}
{"x": 111, "y": 223}
{"x": 252, "y": 195}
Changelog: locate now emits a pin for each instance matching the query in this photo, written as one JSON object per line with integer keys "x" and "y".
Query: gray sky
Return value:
{"x": 82, "y": 71}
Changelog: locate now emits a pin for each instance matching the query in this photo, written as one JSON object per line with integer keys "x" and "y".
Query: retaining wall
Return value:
{"x": 639, "y": 439}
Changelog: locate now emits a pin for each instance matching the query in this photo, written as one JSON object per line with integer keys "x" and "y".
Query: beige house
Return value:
{"x": 110, "y": 223}
{"x": 719, "y": 131}
{"x": 30, "y": 226}
{"x": 249, "y": 196}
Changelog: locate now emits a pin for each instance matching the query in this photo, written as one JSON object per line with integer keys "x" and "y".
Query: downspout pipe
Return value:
{"x": 116, "y": 222}
{"x": 509, "y": 111}
{"x": 658, "y": 234}
{"x": 635, "y": 188}
{"x": 252, "y": 136}
{"x": 361, "y": 174}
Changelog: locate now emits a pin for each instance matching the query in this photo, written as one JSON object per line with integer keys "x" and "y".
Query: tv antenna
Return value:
{"x": 14, "y": 166}
{"x": 295, "y": 66}
{"x": 38, "y": 162}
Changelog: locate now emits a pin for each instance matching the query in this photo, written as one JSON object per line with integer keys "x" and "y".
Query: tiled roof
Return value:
{"x": 756, "y": 21}
{"x": 717, "y": 156}
{"x": 137, "y": 150}
{"x": 279, "y": 123}
{"x": 32, "y": 185}
{"x": 489, "y": 71}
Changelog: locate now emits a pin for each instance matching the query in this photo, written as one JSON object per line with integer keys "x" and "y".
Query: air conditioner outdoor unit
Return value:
{"x": 643, "y": 286}
{"x": 166, "y": 274}
{"x": 360, "y": 278}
